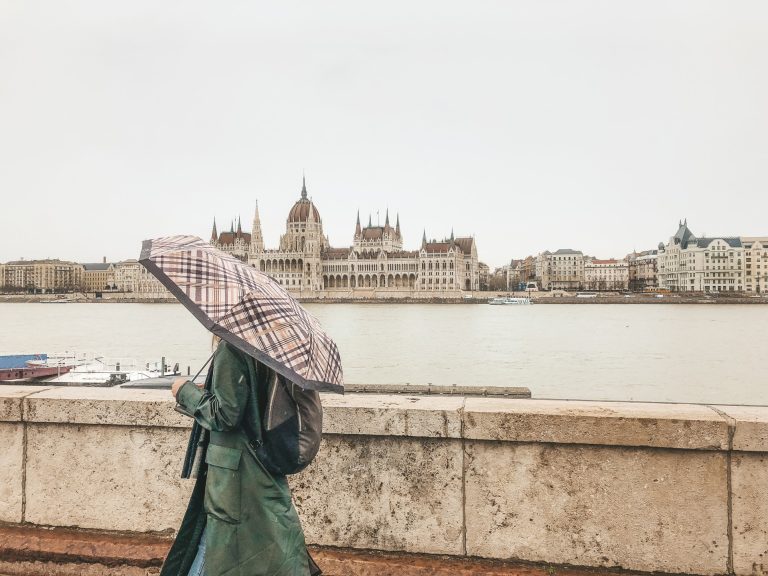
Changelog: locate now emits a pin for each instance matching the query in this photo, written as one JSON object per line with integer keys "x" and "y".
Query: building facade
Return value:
{"x": 643, "y": 268}
{"x": 710, "y": 264}
{"x": 41, "y": 276}
{"x": 99, "y": 276}
{"x": 560, "y": 270}
{"x": 133, "y": 278}
{"x": 375, "y": 262}
{"x": 610, "y": 274}
{"x": 755, "y": 264}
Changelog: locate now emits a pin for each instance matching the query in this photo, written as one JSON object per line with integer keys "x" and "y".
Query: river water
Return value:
{"x": 656, "y": 353}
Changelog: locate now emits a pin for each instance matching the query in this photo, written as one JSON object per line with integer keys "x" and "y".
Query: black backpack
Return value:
{"x": 284, "y": 422}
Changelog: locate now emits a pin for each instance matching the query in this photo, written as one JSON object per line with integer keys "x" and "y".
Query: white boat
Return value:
{"x": 110, "y": 372}
{"x": 504, "y": 300}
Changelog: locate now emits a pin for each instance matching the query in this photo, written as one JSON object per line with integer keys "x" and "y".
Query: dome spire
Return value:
{"x": 303, "y": 187}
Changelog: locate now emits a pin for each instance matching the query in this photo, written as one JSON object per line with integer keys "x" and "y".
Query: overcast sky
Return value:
{"x": 532, "y": 125}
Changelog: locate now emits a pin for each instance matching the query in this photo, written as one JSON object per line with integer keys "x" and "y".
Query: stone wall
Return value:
{"x": 648, "y": 487}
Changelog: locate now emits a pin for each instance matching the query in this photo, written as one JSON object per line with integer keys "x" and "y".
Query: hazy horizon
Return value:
{"x": 533, "y": 126}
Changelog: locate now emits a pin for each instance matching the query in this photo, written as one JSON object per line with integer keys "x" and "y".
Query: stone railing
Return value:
{"x": 646, "y": 487}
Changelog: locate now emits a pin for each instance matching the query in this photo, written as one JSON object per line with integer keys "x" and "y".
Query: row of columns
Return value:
{"x": 369, "y": 281}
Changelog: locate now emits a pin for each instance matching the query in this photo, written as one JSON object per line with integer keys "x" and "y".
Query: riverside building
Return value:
{"x": 560, "y": 270}
{"x": 375, "y": 264}
{"x": 41, "y": 276}
{"x": 643, "y": 269}
{"x": 608, "y": 274}
{"x": 755, "y": 263}
{"x": 712, "y": 264}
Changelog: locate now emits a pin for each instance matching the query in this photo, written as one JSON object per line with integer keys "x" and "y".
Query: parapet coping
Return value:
{"x": 677, "y": 426}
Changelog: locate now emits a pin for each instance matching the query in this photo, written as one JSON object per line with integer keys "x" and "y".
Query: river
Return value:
{"x": 656, "y": 353}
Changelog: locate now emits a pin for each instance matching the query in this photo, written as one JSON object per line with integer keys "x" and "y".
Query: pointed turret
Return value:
{"x": 370, "y": 225}
{"x": 424, "y": 239}
{"x": 397, "y": 225}
{"x": 257, "y": 241}
{"x": 214, "y": 233}
{"x": 358, "y": 230}
{"x": 239, "y": 227}
{"x": 303, "y": 187}
{"x": 452, "y": 238}
{"x": 386, "y": 220}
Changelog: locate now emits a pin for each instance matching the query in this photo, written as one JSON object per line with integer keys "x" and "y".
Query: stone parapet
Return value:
{"x": 643, "y": 487}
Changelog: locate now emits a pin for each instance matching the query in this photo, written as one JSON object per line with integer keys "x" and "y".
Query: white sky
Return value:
{"x": 533, "y": 125}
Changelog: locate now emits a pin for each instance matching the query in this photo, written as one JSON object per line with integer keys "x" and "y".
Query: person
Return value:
{"x": 240, "y": 518}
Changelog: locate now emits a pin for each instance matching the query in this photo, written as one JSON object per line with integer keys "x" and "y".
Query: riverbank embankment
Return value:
{"x": 438, "y": 482}
{"x": 477, "y": 298}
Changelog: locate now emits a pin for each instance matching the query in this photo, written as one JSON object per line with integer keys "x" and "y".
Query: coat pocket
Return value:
{"x": 222, "y": 486}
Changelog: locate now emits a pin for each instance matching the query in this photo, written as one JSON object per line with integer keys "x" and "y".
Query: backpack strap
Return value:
{"x": 258, "y": 385}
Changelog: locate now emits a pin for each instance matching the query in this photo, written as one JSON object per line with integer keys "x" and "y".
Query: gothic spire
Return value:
{"x": 257, "y": 241}
{"x": 386, "y": 220}
{"x": 369, "y": 220}
{"x": 214, "y": 233}
{"x": 239, "y": 227}
{"x": 397, "y": 225}
{"x": 303, "y": 187}
{"x": 424, "y": 239}
{"x": 358, "y": 231}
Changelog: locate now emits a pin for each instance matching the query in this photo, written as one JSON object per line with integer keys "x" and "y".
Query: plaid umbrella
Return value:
{"x": 246, "y": 308}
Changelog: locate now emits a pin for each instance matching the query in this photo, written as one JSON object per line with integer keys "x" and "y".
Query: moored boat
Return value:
{"x": 71, "y": 369}
{"x": 29, "y": 367}
{"x": 504, "y": 300}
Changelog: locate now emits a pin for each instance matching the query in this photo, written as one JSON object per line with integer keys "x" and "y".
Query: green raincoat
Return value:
{"x": 252, "y": 527}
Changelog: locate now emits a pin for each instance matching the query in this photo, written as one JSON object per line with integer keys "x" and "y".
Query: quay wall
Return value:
{"x": 389, "y": 297}
{"x": 644, "y": 487}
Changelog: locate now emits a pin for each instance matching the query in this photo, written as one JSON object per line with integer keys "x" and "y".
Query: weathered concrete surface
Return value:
{"x": 641, "y": 486}
{"x": 112, "y": 406}
{"x": 392, "y": 415}
{"x": 651, "y": 510}
{"x": 10, "y": 400}
{"x": 602, "y": 423}
{"x": 751, "y": 427}
{"x": 383, "y": 493}
{"x": 107, "y": 477}
{"x": 11, "y": 471}
{"x": 749, "y": 482}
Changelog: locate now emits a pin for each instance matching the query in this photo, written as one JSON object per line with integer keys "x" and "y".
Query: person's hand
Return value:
{"x": 177, "y": 384}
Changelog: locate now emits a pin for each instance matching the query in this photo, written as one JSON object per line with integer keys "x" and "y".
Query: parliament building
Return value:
{"x": 375, "y": 265}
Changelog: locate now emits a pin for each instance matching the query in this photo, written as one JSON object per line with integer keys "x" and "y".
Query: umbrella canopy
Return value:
{"x": 246, "y": 308}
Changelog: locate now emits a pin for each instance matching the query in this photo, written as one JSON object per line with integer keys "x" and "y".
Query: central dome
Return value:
{"x": 301, "y": 210}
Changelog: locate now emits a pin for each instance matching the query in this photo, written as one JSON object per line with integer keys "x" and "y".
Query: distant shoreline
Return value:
{"x": 542, "y": 299}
